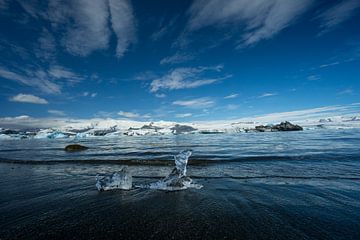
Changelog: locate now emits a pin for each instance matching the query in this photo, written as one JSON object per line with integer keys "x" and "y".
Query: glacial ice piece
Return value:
{"x": 181, "y": 161}
{"x": 177, "y": 179}
{"x": 118, "y": 180}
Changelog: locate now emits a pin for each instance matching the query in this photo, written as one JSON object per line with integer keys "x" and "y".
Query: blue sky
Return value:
{"x": 176, "y": 60}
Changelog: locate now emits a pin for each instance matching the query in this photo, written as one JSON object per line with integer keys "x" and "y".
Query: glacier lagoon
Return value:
{"x": 294, "y": 185}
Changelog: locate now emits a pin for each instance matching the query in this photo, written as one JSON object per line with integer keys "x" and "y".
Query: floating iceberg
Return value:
{"x": 177, "y": 179}
{"x": 118, "y": 180}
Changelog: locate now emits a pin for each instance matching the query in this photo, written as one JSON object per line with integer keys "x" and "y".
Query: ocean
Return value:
{"x": 271, "y": 185}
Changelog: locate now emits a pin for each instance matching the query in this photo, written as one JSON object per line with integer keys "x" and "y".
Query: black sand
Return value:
{"x": 49, "y": 202}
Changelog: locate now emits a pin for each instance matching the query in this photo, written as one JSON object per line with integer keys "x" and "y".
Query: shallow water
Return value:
{"x": 293, "y": 185}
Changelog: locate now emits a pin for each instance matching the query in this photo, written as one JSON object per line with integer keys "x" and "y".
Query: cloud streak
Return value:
{"x": 264, "y": 95}
{"x": 258, "y": 20}
{"x": 85, "y": 26}
{"x": 195, "y": 103}
{"x": 28, "y": 98}
{"x": 177, "y": 58}
{"x": 337, "y": 14}
{"x": 234, "y": 95}
{"x": 42, "y": 79}
{"x": 182, "y": 78}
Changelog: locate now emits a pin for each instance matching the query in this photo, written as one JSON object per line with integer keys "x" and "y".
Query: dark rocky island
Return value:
{"x": 75, "y": 148}
{"x": 283, "y": 126}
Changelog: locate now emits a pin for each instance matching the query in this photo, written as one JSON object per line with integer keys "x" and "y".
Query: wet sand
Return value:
{"x": 50, "y": 202}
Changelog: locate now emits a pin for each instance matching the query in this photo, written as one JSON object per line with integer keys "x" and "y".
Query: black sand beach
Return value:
{"x": 61, "y": 202}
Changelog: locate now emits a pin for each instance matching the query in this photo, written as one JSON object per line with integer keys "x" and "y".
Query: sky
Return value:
{"x": 176, "y": 60}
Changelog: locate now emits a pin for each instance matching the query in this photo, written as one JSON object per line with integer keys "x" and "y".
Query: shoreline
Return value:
{"x": 50, "y": 201}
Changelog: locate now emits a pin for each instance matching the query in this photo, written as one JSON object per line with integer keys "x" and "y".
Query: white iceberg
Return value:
{"x": 118, "y": 180}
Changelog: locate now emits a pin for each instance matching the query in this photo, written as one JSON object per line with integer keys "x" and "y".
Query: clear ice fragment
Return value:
{"x": 118, "y": 180}
{"x": 177, "y": 179}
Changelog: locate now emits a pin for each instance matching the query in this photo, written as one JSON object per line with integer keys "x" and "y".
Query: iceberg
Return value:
{"x": 118, "y": 180}
{"x": 177, "y": 179}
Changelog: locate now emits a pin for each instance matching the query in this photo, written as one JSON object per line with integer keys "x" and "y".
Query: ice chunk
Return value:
{"x": 177, "y": 179}
{"x": 181, "y": 161}
{"x": 118, "y": 180}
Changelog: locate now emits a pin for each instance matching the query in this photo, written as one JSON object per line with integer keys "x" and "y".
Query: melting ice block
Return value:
{"x": 177, "y": 179}
{"x": 118, "y": 180}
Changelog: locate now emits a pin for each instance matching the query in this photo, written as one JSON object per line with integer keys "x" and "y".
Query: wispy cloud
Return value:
{"x": 259, "y": 20}
{"x": 128, "y": 114}
{"x": 195, "y": 103}
{"x": 165, "y": 27}
{"x": 307, "y": 114}
{"x": 56, "y": 112}
{"x": 4, "y": 4}
{"x": 177, "y": 58}
{"x": 183, "y": 115}
{"x": 234, "y": 95}
{"x": 313, "y": 77}
{"x": 182, "y": 78}
{"x": 270, "y": 94}
{"x": 85, "y": 26}
{"x": 28, "y": 98}
{"x": 232, "y": 107}
{"x": 123, "y": 24}
{"x": 46, "y": 49}
{"x": 337, "y": 14}
{"x": 347, "y": 91}
{"x": 329, "y": 64}
{"x": 42, "y": 79}
{"x": 160, "y": 95}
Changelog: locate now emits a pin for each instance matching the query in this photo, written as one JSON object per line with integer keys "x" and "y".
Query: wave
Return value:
{"x": 264, "y": 177}
{"x": 193, "y": 161}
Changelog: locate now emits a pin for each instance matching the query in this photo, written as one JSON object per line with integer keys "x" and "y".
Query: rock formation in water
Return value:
{"x": 75, "y": 148}
{"x": 283, "y": 126}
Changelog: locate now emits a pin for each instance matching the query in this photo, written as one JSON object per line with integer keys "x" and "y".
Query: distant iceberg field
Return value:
{"x": 114, "y": 128}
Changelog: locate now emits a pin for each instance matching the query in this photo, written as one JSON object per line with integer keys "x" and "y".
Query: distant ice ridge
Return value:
{"x": 78, "y": 129}
{"x": 118, "y": 180}
{"x": 177, "y": 179}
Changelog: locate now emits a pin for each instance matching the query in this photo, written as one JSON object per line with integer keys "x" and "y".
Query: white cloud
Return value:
{"x": 176, "y": 58}
{"x": 338, "y": 14}
{"x": 160, "y": 95}
{"x": 195, "y": 103}
{"x": 259, "y": 20}
{"x": 347, "y": 91}
{"x": 267, "y": 95}
{"x": 46, "y": 46}
{"x": 234, "y": 95}
{"x": 165, "y": 27}
{"x": 301, "y": 115}
{"x": 313, "y": 77}
{"x": 86, "y": 26}
{"x": 93, "y": 95}
{"x": 183, "y": 115}
{"x": 123, "y": 24}
{"x": 42, "y": 79}
{"x": 56, "y": 112}
{"x": 329, "y": 64}
{"x": 128, "y": 114}
{"x": 232, "y": 107}
{"x": 28, "y": 98}
{"x": 59, "y": 72}
{"x": 182, "y": 78}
